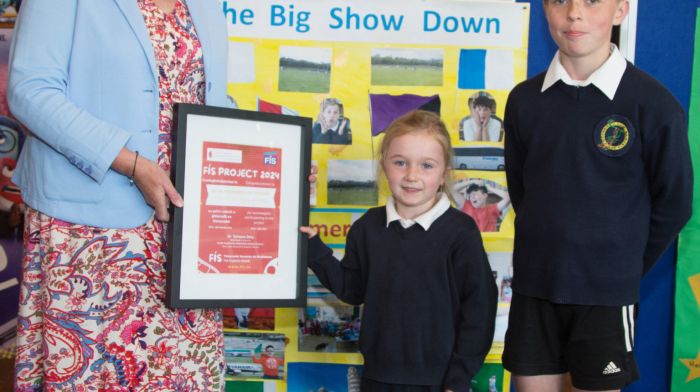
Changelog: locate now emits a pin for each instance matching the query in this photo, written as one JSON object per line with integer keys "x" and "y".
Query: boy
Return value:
{"x": 481, "y": 124}
{"x": 599, "y": 174}
{"x": 485, "y": 215}
{"x": 270, "y": 363}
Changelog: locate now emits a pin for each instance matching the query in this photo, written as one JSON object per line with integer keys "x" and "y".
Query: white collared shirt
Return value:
{"x": 606, "y": 78}
{"x": 424, "y": 220}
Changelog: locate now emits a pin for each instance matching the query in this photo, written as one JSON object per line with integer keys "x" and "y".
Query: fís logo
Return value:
{"x": 270, "y": 158}
{"x": 215, "y": 257}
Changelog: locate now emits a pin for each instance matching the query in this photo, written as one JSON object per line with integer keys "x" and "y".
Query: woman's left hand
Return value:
{"x": 153, "y": 182}
{"x": 156, "y": 187}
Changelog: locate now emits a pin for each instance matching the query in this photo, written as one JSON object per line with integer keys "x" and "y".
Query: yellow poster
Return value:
{"x": 353, "y": 66}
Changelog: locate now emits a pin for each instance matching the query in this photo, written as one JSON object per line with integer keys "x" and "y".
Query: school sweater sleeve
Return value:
{"x": 478, "y": 303}
{"x": 343, "y": 278}
{"x": 514, "y": 154}
{"x": 669, "y": 171}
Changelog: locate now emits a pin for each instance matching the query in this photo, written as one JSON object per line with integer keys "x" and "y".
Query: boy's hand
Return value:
{"x": 308, "y": 230}
{"x": 483, "y": 130}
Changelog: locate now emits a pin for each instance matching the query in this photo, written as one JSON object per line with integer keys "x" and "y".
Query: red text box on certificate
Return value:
{"x": 239, "y": 213}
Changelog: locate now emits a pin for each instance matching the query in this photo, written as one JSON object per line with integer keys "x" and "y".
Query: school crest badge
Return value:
{"x": 614, "y": 135}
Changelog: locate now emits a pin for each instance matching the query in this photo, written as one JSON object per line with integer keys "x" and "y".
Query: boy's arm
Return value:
{"x": 477, "y": 313}
{"x": 343, "y": 278}
{"x": 503, "y": 194}
{"x": 457, "y": 189}
{"x": 669, "y": 171}
{"x": 514, "y": 154}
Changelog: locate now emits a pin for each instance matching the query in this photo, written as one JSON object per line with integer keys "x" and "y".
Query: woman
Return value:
{"x": 95, "y": 83}
{"x": 331, "y": 127}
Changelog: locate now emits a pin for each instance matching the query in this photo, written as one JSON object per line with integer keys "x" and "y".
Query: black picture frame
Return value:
{"x": 228, "y": 137}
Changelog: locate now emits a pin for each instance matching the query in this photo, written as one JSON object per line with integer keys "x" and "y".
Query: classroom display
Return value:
{"x": 353, "y": 67}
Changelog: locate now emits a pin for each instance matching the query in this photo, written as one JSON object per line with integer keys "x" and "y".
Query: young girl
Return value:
{"x": 420, "y": 269}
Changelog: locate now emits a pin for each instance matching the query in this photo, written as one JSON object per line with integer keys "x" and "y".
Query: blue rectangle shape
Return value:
{"x": 472, "y": 69}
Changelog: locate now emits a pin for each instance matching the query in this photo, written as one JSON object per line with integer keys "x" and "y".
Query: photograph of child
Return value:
{"x": 331, "y": 126}
{"x": 483, "y": 200}
{"x": 481, "y": 125}
{"x": 270, "y": 362}
{"x": 254, "y": 355}
{"x": 329, "y": 328}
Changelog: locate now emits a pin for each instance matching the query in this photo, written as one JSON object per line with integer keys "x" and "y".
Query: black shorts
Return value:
{"x": 368, "y": 385}
{"x": 592, "y": 343}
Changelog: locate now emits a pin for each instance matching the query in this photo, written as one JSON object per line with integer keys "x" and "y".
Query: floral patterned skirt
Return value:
{"x": 92, "y": 315}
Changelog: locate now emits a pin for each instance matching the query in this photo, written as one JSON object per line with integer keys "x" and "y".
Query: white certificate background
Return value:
{"x": 283, "y": 284}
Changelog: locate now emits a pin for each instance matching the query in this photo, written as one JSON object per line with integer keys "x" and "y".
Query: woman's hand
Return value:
{"x": 154, "y": 183}
{"x": 156, "y": 187}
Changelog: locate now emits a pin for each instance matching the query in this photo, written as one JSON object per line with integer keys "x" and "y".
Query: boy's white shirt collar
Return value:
{"x": 606, "y": 78}
{"x": 424, "y": 220}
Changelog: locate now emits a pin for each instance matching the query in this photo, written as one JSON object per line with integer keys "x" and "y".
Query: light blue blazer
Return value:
{"x": 83, "y": 80}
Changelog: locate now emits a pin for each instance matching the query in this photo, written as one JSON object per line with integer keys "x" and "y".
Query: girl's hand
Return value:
{"x": 308, "y": 230}
{"x": 312, "y": 173}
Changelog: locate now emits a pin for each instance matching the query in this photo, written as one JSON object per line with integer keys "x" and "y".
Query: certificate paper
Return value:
{"x": 239, "y": 224}
{"x": 244, "y": 178}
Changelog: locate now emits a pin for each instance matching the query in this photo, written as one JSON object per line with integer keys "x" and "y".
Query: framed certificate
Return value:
{"x": 244, "y": 178}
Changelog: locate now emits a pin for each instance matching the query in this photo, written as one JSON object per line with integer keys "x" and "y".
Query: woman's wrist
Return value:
{"x": 133, "y": 170}
{"x": 125, "y": 162}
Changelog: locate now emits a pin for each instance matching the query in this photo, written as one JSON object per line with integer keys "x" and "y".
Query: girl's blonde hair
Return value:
{"x": 421, "y": 121}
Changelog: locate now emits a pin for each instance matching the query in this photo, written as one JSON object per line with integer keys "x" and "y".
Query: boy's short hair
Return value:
{"x": 331, "y": 102}
{"x": 474, "y": 187}
{"x": 485, "y": 101}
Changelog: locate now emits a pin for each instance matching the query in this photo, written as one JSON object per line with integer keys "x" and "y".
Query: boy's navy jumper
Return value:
{"x": 600, "y": 187}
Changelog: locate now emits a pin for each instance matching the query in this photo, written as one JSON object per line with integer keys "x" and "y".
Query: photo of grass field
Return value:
{"x": 407, "y": 67}
{"x": 352, "y": 182}
{"x": 303, "y": 69}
